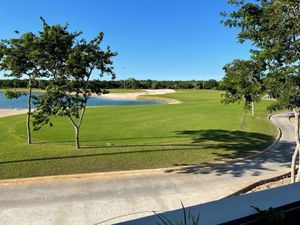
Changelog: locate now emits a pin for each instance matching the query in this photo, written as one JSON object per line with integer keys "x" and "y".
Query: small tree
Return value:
{"x": 242, "y": 82}
{"x": 69, "y": 93}
{"x": 20, "y": 59}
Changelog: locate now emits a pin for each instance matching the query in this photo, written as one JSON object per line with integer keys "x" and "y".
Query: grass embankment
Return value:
{"x": 200, "y": 129}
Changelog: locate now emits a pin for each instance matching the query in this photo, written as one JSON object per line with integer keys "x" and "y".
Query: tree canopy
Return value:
{"x": 273, "y": 27}
{"x": 69, "y": 91}
{"x": 21, "y": 57}
{"x": 242, "y": 82}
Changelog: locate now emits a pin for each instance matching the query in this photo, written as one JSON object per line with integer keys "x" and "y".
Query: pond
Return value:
{"x": 21, "y": 102}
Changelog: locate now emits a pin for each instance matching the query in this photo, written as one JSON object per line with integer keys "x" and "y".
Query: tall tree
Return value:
{"x": 70, "y": 90}
{"x": 20, "y": 59}
{"x": 273, "y": 28}
{"x": 242, "y": 82}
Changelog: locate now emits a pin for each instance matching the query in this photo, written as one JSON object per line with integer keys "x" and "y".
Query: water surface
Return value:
{"x": 21, "y": 102}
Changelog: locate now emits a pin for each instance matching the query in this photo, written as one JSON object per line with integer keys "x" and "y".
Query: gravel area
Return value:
{"x": 272, "y": 184}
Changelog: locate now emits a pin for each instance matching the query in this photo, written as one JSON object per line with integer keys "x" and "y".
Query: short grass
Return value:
{"x": 198, "y": 130}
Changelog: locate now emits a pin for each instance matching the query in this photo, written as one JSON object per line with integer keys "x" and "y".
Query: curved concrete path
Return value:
{"x": 93, "y": 200}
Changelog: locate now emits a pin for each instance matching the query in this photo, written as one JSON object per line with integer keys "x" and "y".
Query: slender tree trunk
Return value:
{"x": 77, "y": 144}
{"x": 77, "y": 127}
{"x": 253, "y": 108}
{"x": 298, "y": 173}
{"x": 29, "y": 113}
{"x": 293, "y": 165}
{"x": 296, "y": 152}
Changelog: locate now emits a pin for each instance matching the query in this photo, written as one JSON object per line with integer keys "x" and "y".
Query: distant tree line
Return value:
{"x": 122, "y": 84}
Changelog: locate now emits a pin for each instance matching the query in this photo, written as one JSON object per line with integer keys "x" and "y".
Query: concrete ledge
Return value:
{"x": 229, "y": 209}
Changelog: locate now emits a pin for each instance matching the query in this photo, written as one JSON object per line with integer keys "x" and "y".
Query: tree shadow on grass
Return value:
{"x": 239, "y": 141}
{"x": 67, "y": 142}
{"x": 145, "y": 151}
{"x": 225, "y": 144}
{"x": 232, "y": 144}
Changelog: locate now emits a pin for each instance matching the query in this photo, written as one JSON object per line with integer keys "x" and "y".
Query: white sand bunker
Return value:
{"x": 135, "y": 95}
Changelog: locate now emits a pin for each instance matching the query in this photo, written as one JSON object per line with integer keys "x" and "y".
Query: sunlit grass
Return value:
{"x": 200, "y": 129}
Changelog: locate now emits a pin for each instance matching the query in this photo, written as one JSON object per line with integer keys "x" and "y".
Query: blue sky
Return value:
{"x": 155, "y": 39}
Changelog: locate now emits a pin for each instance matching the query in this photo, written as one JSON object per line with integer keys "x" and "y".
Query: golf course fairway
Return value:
{"x": 198, "y": 130}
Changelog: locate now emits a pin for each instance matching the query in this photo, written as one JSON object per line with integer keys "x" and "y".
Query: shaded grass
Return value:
{"x": 200, "y": 129}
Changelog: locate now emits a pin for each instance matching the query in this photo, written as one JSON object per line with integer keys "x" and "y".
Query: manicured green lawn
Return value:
{"x": 200, "y": 129}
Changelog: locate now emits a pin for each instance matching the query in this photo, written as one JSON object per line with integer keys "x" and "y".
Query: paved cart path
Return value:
{"x": 91, "y": 199}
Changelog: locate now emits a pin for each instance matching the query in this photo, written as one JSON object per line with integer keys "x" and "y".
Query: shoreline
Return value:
{"x": 146, "y": 95}
{"x": 11, "y": 112}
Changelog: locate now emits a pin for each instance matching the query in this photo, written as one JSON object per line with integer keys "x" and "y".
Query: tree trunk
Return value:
{"x": 77, "y": 126}
{"x": 293, "y": 165}
{"x": 296, "y": 152}
{"x": 29, "y": 113}
{"x": 77, "y": 137}
{"x": 253, "y": 108}
{"x": 298, "y": 173}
